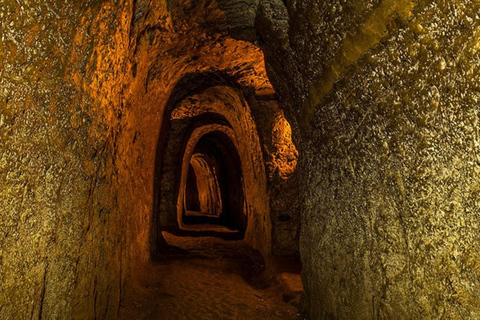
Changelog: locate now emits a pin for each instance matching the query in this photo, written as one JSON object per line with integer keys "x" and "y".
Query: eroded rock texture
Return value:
{"x": 382, "y": 101}
{"x": 389, "y": 152}
{"x": 61, "y": 242}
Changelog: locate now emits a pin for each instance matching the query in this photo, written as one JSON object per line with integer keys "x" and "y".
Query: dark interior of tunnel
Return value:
{"x": 224, "y": 192}
{"x": 192, "y": 201}
{"x": 239, "y": 159}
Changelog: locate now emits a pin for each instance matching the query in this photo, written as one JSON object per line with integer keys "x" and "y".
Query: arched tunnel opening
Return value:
{"x": 225, "y": 181}
{"x": 213, "y": 190}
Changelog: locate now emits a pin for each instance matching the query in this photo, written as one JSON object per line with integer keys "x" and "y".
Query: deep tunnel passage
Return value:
{"x": 208, "y": 123}
{"x": 216, "y": 185}
{"x": 214, "y": 208}
{"x": 202, "y": 191}
{"x": 215, "y": 170}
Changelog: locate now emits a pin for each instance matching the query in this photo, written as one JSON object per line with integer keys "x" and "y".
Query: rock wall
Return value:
{"x": 385, "y": 95}
{"x": 60, "y": 230}
{"x": 83, "y": 92}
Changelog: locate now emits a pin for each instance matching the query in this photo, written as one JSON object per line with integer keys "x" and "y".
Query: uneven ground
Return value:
{"x": 211, "y": 278}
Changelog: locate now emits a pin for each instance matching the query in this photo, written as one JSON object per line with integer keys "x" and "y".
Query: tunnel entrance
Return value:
{"x": 213, "y": 190}
{"x": 210, "y": 177}
{"x": 202, "y": 192}
{"x": 216, "y": 172}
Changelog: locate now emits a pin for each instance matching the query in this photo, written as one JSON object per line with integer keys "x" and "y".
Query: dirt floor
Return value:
{"x": 211, "y": 278}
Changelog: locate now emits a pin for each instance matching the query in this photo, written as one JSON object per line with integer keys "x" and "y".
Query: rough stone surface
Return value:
{"x": 389, "y": 153}
{"x": 58, "y": 216}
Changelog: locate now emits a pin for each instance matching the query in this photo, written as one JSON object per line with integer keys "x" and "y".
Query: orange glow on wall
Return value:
{"x": 285, "y": 154}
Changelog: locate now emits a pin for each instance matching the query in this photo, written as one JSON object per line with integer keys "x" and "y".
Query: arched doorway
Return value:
{"x": 202, "y": 191}
{"x": 212, "y": 183}
{"x": 211, "y": 127}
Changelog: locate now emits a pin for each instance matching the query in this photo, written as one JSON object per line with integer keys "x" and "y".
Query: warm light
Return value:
{"x": 285, "y": 154}
{"x": 206, "y": 188}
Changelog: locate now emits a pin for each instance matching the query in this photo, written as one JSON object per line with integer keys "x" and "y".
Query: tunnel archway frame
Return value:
{"x": 223, "y": 102}
{"x": 203, "y": 196}
{"x": 228, "y": 136}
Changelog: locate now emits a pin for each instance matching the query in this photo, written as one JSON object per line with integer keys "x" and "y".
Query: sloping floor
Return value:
{"x": 211, "y": 278}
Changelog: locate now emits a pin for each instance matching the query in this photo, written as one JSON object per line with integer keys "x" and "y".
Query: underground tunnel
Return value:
{"x": 227, "y": 159}
{"x": 213, "y": 174}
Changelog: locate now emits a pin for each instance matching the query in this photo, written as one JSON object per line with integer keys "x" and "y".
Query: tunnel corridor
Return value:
{"x": 213, "y": 216}
{"x": 239, "y": 159}
{"x": 215, "y": 169}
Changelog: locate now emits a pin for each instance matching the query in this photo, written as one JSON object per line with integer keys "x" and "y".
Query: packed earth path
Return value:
{"x": 211, "y": 278}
